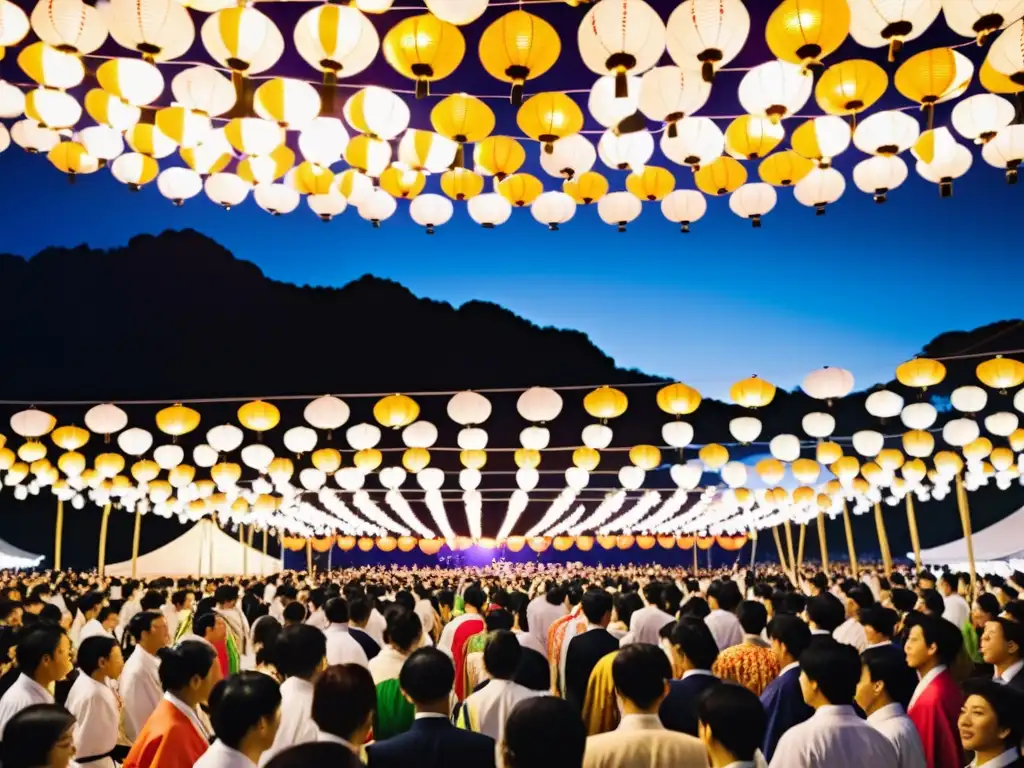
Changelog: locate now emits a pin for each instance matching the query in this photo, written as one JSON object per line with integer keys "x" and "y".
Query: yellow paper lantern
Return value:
{"x": 259, "y": 416}
{"x": 748, "y": 137}
{"x": 387, "y": 543}
{"x": 539, "y": 544}
{"x": 473, "y": 459}
{"x": 425, "y": 49}
{"x": 667, "y": 542}
{"x": 771, "y": 471}
{"x": 1017, "y": 440}
{"x": 714, "y": 456}
{"x": 31, "y": 451}
{"x": 651, "y": 183}
{"x": 520, "y": 189}
{"x": 145, "y": 471}
{"x": 584, "y": 543}
{"x": 828, "y": 453}
{"x": 461, "y": 183}
{"x": 368, "y": 459}
{"x": 586, "y": 188}
{"x": 586, "y": 458}
{"x": 920, "y": 372}
{"x": 402, "y": 184}
{"x": 678, "y": 399}
{"x": 498, "y": 156}
{"x": 327, "y": 460}
{"x": 69, "y": 438}
{"x": 917, "y": 442}
{"x": 646, "y": 542}
{"x": 978, "y": 449}
{"x": 226, "y": 474}
{"x": 784, "y": 169}
{"x": 720, "y": 177}
{"x": 806, "y": 471}
{"x": 415, "y": 459}
{"x": 177, "y": 420}
{"x": 515, "y": 543}
{"x": 806, "y": 31}
{"x": 71, "y": 463}
{"x": 527, "y": 458}
{"x": 890, "y": 459}
{"x": 518, "y": 47}
{"x": 72, "y": 158}
{"x": 1002, "y": 373}
{"x": 948, "y": 463}
{"x": 606, "y": 542}
{"x": 932, "y": 77}
{"x": 406, "y": 543}
{"x": 463, "y": 119}
{"x": 752, "y": 392}
{"x": 109, "y": 464}
{"x": 548, "y": 117}
{"x": 850, "y": 87}
{"x": 395, "y": 411}
{"x": 821, "y": 139}
{"x": 1001, "y": 458}
{"x": 646, "y": 457}
{"x": 563, "y": 543}
{"x": 994, "y": 81}
{"x": 605, "y": 403}
{"x": 312, "y": 179}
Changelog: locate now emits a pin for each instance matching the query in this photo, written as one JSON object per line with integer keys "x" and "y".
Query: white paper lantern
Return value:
{"x": 1018, "y": 400}
{"x": 203, "y": 89}
{"x": 169, "y": 456}
{"x": 919, "y": 415}
{"x": 105, "y": 419}
{"x": 879, "y": 175}
{"x": 868, "y": 443}
{"x": 785, "y": 447}
{"x": 979, "y": 18}
{"x": 980, "y": 117}
{"x": 687, "y": 476}
{"x": 34, "y": 138}
{"x": 323, "y": 141}
{"x": 527, "y": 478}
{"x": 629, "y": 151}
{"x": 457, "y": 12}
{"x": 553, "y": 209}
{"x": 276, "y": 199}
{"x": 392, "y": 477}
{"x": 257, "y": 456}
{"x": 468, "y": 407}
{"x": 752, "y": 201}
{"x": 819, "y": 188}
{"x": 203, "y": 455}
{"x": 226, "y": 189}
{"x": 683, "y": 207}
{"x": 349, "y": 46}
{"x": 243, "y": 39}
{"x": 327, "y": 206}
{"x": 419, "y": 434}
{"x": 535, "y": 438}
{"x": 539, "y": 404}
{"x": 960, "y": 432}
{"x": 881, "y": 23}
{"x": 70, "y": 25}
{"x": 376, "y": 111}
{"x": 161, "y": 30}
{"x": 775, "y": 89}
{"x": 697, "y": 141}
{"x": 619, "y": 208}
{"x": 607, "y": 108}
{"x": 945, "y": 169}
{"x": 678, "y": 434}
{"x": 101, "y": 142}
{"x": 884, "y": 404}
{"x": 819, "y": 425}
{"x": 1002, "y": 424}
{"x": 179, "y": 184}
{"x": 33, "y": 423}
{"x": 55, "y": 109}
{"x": 745, "y": 429}
{"x": 669, "y": 94}
{"x": 969, "y": 399}
{"x": 431, "y": 211}
{"x": 1006, "y": 151}
{"x": 469, "y": 479}
{"x": 349, "y": 479}
{"x": 489, "y": 210}
{"x": 14, "y": 24}
{"x": 886, "y": 133}
{"x": 135, "y": 441}
{"x": 577, "y": 478}
{"x": 631, "y": 477}
{"x": 828, "y": 383}
{"x": 362, "y": 436}
{"x": 312, "y": 479}
{"x": 707, "y": 34}
{"x": 734, "y": 474}
{"x": 378, "y": 206}
{"x": 327, "y": 413}
{"x": 224, "y": 438}
{"x": 597, "y": 436}
{"x": 426, "y": 151}
{"x": 430, "y": 479}
{"x": 570, "y": 156}
{"x": 621, "y": 37}
{"x": 472, "y": 439}
{"x": 12, "y": 100}
{"x": 300, "y": 440}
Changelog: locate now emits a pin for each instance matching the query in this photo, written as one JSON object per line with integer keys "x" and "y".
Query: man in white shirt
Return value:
{"x": 405, "y": 634}
{"x": 44, "y": 657}
{"x": 834, "y": 736}
{"x": 887, "y": 682}
{"x": 132, "y": 591}
{"x": 102, "y": 626}
{"x": 245, "y": 714}
{"x": 140, "y": 687}
{"x": 93, "y": 703}
{"x": 181, "y": 605}
{"x": 544, "y": 610}
{"x": 342, "y": 648}
{"x": 302, "y": 654}
{"x": 647, "y": 622}
{"x": 424, "y": 609}
{"x": 88, "y": 609}
{"x": 851, "y": 631}
{"x": 724, "y": 598}
{"x": 957, "y": 611}
{"x": 1002, "y": 646}
{"x": 344, "y": 702}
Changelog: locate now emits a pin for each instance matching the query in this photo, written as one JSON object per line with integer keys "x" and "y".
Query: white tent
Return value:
{"x": 203, "y": 550}
{"x": 996, "y": 548}
{"x": 12, "y": 557}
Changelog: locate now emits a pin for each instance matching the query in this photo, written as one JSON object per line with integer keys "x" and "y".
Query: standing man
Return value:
{"x": 1002, "y": 644}
{"x": 932, "y": 645}
{"x": 140, "y": 686}
{"x": 588, "y": 648}
{"x": 885, "y": 687}
{"x": 731, "y": 723}
{"x": 783, "y": 699}
{"x": 957, "y": 612}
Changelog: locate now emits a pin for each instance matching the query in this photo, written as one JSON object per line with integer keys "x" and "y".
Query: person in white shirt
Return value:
{"x": 543, "y": 611}
{"x": 425, "y": 609}
{"x": 44, "y": 657}
{"x": 344, "y": 702}
{"x": 93, "y": 702}
{"x": 885, "y": 687}
{"x": 102, "y": 626}
{"x": 834, "y": 736}
{"x": 245, "y": 711}
{"x": 645, "y": 623}
{"x": 141, "y": 691}
{"x": 879, "y": 624}
{"x": 731, "y": 724}
{"x": 724, "y": 598}
{"x": 851, "y": 631}
{"x": 486, "y": 711}
{"x": 132, "y": 603}
{"x": 342, "y": 648}
{"x": 89, "y": 606}
{"x": 301, "y": 652}
{"x": 1002, "y": 646}
{"x": 405, "y": 634}
{"x": 990, "y": 724}
{"x": 956, "y": 611}
{"x": 181, "y": 605}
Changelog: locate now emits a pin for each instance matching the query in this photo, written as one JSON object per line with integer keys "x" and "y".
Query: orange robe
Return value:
{"x": 752, "y": 666}
{"x": 167, "y": 740}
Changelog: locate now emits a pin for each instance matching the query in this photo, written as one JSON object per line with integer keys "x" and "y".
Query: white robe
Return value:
{"x": 342, "y": 648}
{"x": 490, "y": 707}
{"x": 851, "y": 632}
{"x": 22, "y": 694}
{"x": 892, "y": 722}
{"x": 297, "y": 726}
{"x": 957, "y": 611}
{"x": 97, "y": 714}
{"x": 93, "y": 628}
{"x": 386, "y": 665}
{"x": 140, "y": 690}
{"x": 220, "y": 755}
{"x": 646, "y": 623}
{"x": 540, "y": 614}
{"x": 835, "y": 737}
{"x": 725, "y": 627}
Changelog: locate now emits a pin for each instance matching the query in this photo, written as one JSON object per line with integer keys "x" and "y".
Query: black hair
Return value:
{"x": 178, "y": 598}
{"x": 94, "y": 649}
{"x": 861, "y": 595}
{"x": 35, "y": 643}
{"x": 140, "y": 623}
{"x": 727, "y": 593}
{"x": 835, "y": 667}
{"x": 50, "y": 614}
{"x": 502, "y": 654}
{"x": 942, "y": 634}
{"x": 315, "y": 753}
{"x": 763, "y": 591}
{"x": 405, "y": 599}
{"x": 934, "y": 604}
{"x": 1013, "y": 632}
{"x": 826, "y": 611}
{"x": 696, "y": 606}
{"x": 404, "y": 628}
{"x": 359, "y": 609}
{"x": 336, "y": 610}
{"x": 427, "y": 676}
{"x": 32, "y": 733}
{"x": 597, "y": 604}
{"x": 736, "y": 718}
{"x": 344, "y": 697}
{"x": 693, "y": 638}
{"x": 988, "y": 603}
{"x": 225, "y": 593}
{"x": 152, "y": 600}
{"x": 888, "y": 664}
{"x": 202, "y": 624}
{"x": 820, "y": 581}
{"x": 641, "y": 673}
{"x": 105, "y": 613}
{"x": 926, "y": 576}
{"x": 300, "y": 650}
{"x": 574, "y": 594}
{"x": 671, "y": 597}
{"x": 652, "y": 592}
{"x": 474, "y": 596}
{"x": 265, "y": 632}
{"x": 180, "y": 663}
{"x": 238, "y": 703}
{"x": 950, "y": 579}
{"x": 544, "y": 732}
{"x": 294, "y": 613}
{"x": 792, "y": 632}
{"x": 903, "y": 600}
{"x": 626, "y": 604}
{"x": 881, "y": 619}
{"x": 499, "y": 619}
{"x": 90, "y": 600}
{"x": 1007, "y": 703}
{"x": 7, "y": 608}
{"x": 1015, "y": 610}
{"x": 753, "y": 616}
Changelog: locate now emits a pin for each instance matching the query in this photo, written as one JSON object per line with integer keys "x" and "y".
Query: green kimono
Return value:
{"x": 394, "y": 714}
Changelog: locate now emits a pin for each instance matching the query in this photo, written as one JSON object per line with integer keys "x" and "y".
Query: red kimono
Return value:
{"x": 167, "y": 740}
{"x": 935, "y": 714}
{"x": 466, "y": 629}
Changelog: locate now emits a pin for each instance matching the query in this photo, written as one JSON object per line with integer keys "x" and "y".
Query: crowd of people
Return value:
{"x": 521, "y": 666}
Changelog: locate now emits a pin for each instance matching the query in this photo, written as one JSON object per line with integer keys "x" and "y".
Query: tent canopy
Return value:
{"x": 1003, "y": 540}
{"x": 12, "y": 557}
{"x": 203, "y": 550}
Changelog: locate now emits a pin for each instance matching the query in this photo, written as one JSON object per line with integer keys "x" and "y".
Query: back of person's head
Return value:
{"x": 696, "y": 607}
{"x": 734, "y": 717}
{"x": 336, "y": 610}
{"x": 729, "y": 596}
{"x": 753, "y": 616}
{"x": 427, "y": 676}
{"x": 90, "y": 600}
{"x": 652, "y": 593}
{"x": 693, "y": 639}
{"x": 544, "y": 732}
{"x": 152, "y": 600}
{"x": 820, "y": 581}
{"x": 826, "y": 612}
{"x": 474, "y": 596}
{"x": 294, "y": 613}
{"x": 934, "y": 603}
{"x": 881, "y": 619}
{"x": 36, "y": 644}
{"x": 244, "y": 702}
{"x": 404, "y": 629}
{"x": 988, "y": 603}
{"x": 834, "y": 667}
{"x": 944, "y": 635}
{"x": 225, "y": 593}
{"x": 93, "y": 650}
{"x": 502, "y": 654}
{"x": 671, "y": 597}
{"x": 203, "y": 624}
{"x": 178, "y": 598}
{"x": 359, "y": 610}
{"x": 791, "y": 632}
{"x": 499, "y": 618}
{"x": 300, "y": 651}
{"x": 141, "y": 623}
{"x": 888, "y": 665}
{"x": 106, "y": 612}
{"x": 344, "y": 700}
{"x": 180, "y": 663}
{"x": 626, "y": 604}
{"x": 861, "y": 596}
{"x": 949, "y": 580}
{"x": 405, "y": 599}
{"x": 903, "y": 600}
{"x": 597, "y": 605}
{"x": 574, "y": 594}
{"x": 641, "y": 674}
{"x": 315, "y": 753}
{"x": 265, "y": 632}
{"x": 556, "y": 593}
{"x": 32, "y": 734}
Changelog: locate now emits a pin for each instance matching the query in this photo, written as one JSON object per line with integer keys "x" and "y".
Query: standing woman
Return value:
{"x": 39, "y": 736}
{"x": 174, "y": 735}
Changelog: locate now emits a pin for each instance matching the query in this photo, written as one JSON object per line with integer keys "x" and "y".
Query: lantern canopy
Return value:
{"x": 775, "y": 89}
{"x": 621, "y": 37}
{"x": 803, "y": 33}
{"x": 160, "y": 30}
{"x": 881, "y": 23}
{"x": 708, "y": 33}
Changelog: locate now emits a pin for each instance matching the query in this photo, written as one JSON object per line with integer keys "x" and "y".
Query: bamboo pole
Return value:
{"x": 789, "y": 546}
{"x": 309, "y": 557}
{"x": 800, "y": 548}
{"x": 965, "y": 522}
{"x": 823, "y": 542}
{"x": 135, "y": 538}
{"x": 103, "y": 539}
{"x": 849, "y": 541}
{"x": 58, "y": 535}
{"x": 915, "y": 540}
{"x": 264, "y": 551}
{"x": 245, "y": 550}
{"x": 695, "y": 557}
{"x": 782, "y": 554}
{"x": 883, "y": 540}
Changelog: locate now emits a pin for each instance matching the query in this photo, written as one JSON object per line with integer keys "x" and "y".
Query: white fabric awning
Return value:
{"x": 1003, "y": 540}
{"x": 12, "y": 557}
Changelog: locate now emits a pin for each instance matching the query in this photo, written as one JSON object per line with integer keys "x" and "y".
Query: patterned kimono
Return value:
{"x": 563, "y": 630}
{"x": 752, "y": 666}
{"x": 228, "y": 657}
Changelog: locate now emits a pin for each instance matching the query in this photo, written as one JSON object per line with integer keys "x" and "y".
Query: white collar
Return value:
{"x": 835, "y": 710}
{"x": 641, "y": 723}
{"x": 788, "y": 667}
{"x": 888, "y": 712}
{"x": 816, "y": 631}
{"x": 330, "y": 737}
{"x": 1009, "y": 757}
{"x": 742, "y": 764}
{"x": 590, "y": 626}
{"x": 430, "y": 716}
{"x": 338, "y": 628}
{"x": 883, "y": 644}
{"x": 188, "y": 712}
{"x": 696, "y": 673}
{"x": 1009, "y": 673}
{"x": 233, "y": 756}
{"x": 925, "y": 682}
{"x": 35, "y": 687}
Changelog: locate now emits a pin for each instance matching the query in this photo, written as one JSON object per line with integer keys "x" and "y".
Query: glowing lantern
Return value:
{"x": 402, "y": 184}
{"x": 979, "y": 19}
{"x": 461, "y": 184}
{"x": 473, "y": 459}
{"x": 708, "y": 32}
{"x": 612, "y": 111}
{"x": 367, "y": 460}
{"x": 918, "y": 443}
{"x": 748, "y": 137}
{"x": 775, "y": 89}
{"x": 158, "y": 29}
{"x": 539, "y": 544}
{"x": 489, "y": 210}
{"x": 884, "y": 404}
{"x": 669, "y": 94}
{"x": 821, "y": 187}
{"x": 886, "y": 133}
{"x": 243, "y": 39}
{"x": 587, "y": 188}
{"x": 498, "y": 156}
{"x": 932, "y": 77}
{"x": 828, "y": 453}
{"x": 518, "y": 47}
{"x": 415, "y": 459}
{"x": 697, "y": 142}
{"x": 327, "y": 460}
{"x": 109, "y": 464}
{"x": 396, "y": 411}
{"x": 1005, "y": 55}
{"x": 628, "y": 151}
{"x": 752, "y": 392}
{"x": 879, "y": 175}
{"x": 69, "y": 25}
{"x": 806, "y": 32}
{"x": 1002, "y": 373}
{"x": 426, "y": 151}
{"x": 981, "y": 117}
{"x": 377, "y": 113}
{"x": 179, "y": 184}
{"x": 745, "y": 429}
{"x": 563, "y": 543}
{"x": 646, "y": 457}
{"x": 425, "y": 49}
{"x": 850, "y": 87}
{"x": 818, "y": 425}
{"x": 731, "y": 543}
{"x": 881, "y": 23}
{"x": 752, "y": 201}
{"x": 387, "y": 543}
{"x": 553, "y": 209}
{"x": 920, "y": 372}
{"x": 548, "y": 117}
{"x": 586, "y": 458}
{"x": 177, "y": 420}
{"x": 784, "y": 169}
{"x": 720, "y": 177}
{"x": 337, "y": 40}
{"x": 50, "y": 67}
{"x": 520, "y": 189}
{"x": 650, "y": 183}
{"x": 977, "y": 450}
{"x": 868, "y": 443}
{"x": 14, "y": 24}
{"x": 828, "y": 383}
{"x": 12, "y": 100}
{"x": 678, "y": 399}
{"x": 618, "y": 208}
{"x": 714, "y": 456}
{"x": 259, "y": 416}
{"x": 71, "y": 158}
{"x": 570, "y": 157}
{"x": 226, "y": 189}
{"x": 785, "y": 447}
{"x": 683, "y": 207}
{"x": 289, "y": 103}
{"x": 619, "y": 38}
{"x": 822, "y": 139}
{"x": 204, "y": 90}
{"x": 378, "y": 206}
{"x": 430, "y": 211}
{"x": 1002, "y": 424}
{"x": 584, "y": 543}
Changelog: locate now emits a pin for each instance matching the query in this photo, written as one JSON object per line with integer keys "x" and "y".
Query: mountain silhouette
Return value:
{"x": 177, "y": 316}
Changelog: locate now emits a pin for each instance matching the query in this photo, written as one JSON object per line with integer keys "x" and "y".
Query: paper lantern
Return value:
{"x": 1002, "y": 424}
{"x": 980, "y": 117}
{"x": 597, "y": 436}
{"x": 785, "y": 447}
{"x": 547, "y": 117}
{"x": 1002, "y": 373}
{"x": 918, "y": 443}
{"x": 714, "y": 456}
{"x": 160, "y": 30}
{"x": 678, "y": 399}
{"x": 259, "y": 416}
{"x": 977, "y": 450}
{"x": 720, "y": 177}
{"x": 588, "y": 188}
{"x": 34, "y": 138}
{"x": 226, "y": 189}
{"x": 468, "y": 407}
{"x": 980, "y": 18}
{"x": 646, "y": 457}
{"x": 276, "y": 199}
{"x": 520, "y": 189}
{"x": 920, "y": 372}
{"x": 752, "y": 392}
{"x": 498, "y": 156}
{"x": 752, "y": 201}
{"x": 69, "y": 25}
{"x": 489, "y": 210}
{"x": 539, "y": 544}
{"x": 627, "y": 36}
{"x": 731, "y": 543}
{"x": 868, "y": 443}
{"x": 396, "y": 411}
{"x": 1006, "y": 151}
{"x": 850, "y": 87}
{"x": 553, "y": 209}
{"x": 401, "y": 184}
{"x": 748, "y": 137}
{"x": 683, "y": 207}
{"x": 14, "y": 24}
{"x": 697, "y": 141}
{"x": 881, "y": 23}
{"x": 337, "y": 40}
{"x": 289, "y": 103}
{"x": 71, "y": 158}
{"x": 12, "y": 100}
{"x": 784, "y": 169}
{"x": 669, "y": 94}
{"x": 105, "y": 419}
{"x": 179, "y": 184}
{"x": 378, "y": 206}
{"x": 563, "y": 543}
{"x": 775, "y": 89}
{"x": 425, "y": 49}
{"x": 628, "y": 151}
{"x": 584, "y": 543}
{"x": 879, "y": 175}
{"x": 462, "y": 184}
{"x": 707, "y": 32}
{"x": 518, "y": 47}
{"x": 1005, "y": 55}
{"x": 919, "y": 415}
{"x": 822, "y": 139}
{"x": 745, "y": 429}
{"x": 934, "y": 76}
{"x": 819, "y": 188}
{"x": 619, "y": 208}
{"x": 818, "y": 425}
{"x": 243, "y": 39}
{"x": 177, "y": 420}
{"x": 570, "y": 157}
{"x": 804, "y": 33}
{"x": 613, "y": 111}
{"x": 50, "y": 67}
{"x": 377, "y": 112}
{"x": 828, "y": 453}
{"x": 650, "y": 183}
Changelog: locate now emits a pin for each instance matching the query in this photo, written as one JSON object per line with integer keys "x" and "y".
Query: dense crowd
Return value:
{"x": 523, "y": 666}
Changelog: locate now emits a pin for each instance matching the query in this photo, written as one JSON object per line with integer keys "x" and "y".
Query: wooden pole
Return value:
{"x": 103, "y": 539}
{"x": 849, "y": 541}
{"x": 264, "y": 551}
{"x": 789, "y": 546}
{"x": 823, "y": 542}
{"x": 58, "y": 535}
{"x": 883, "y": 540}
{"x": 782, "y": 554}
{"x": 309, "y": 557}
{"x": 965, "y": 522}
{"x": 915, "y": 540}
{"x": 800, "y": 548}
{"x": 135, "y": 538}
{"x": 245, "y": 550}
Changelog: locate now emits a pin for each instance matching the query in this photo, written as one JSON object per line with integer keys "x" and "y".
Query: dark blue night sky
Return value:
{"x": 863, "y": 287}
